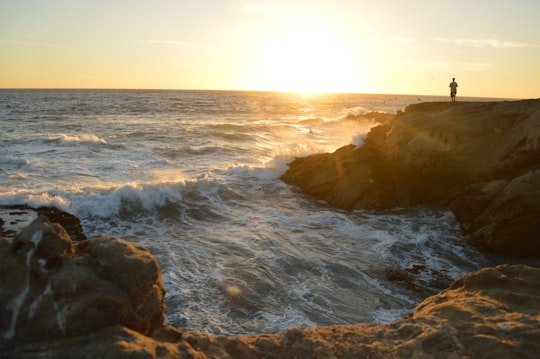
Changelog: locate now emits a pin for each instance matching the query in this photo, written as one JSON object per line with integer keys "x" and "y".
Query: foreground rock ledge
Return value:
{"x": 480, "y": 159}
{"x": 103, "y": 298}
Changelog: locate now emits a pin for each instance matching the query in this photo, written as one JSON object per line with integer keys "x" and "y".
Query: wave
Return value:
{"x": 355, "y": 112}
{"x": 34, "y": 199}
{"x": 63, "y": 138}
{"x": 175, "y": 200}
{"x": 311, "y": 121}
{"x": 232, "y": 136}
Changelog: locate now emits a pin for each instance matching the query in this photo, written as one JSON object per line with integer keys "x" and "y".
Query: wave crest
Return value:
{"x": 63, "y": 138}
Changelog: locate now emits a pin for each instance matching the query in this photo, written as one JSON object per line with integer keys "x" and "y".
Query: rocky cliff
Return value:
{"x": 480, "y": 159}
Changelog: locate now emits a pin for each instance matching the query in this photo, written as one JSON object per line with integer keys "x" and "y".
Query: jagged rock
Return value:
{"x": 349, "y": 178}
{"x": 478, "y": 158}
{"x": 51, "y": 288}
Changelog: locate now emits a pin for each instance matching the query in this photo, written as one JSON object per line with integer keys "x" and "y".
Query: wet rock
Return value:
{"x": 480, "y": 159}
{"x": 14, "y": 218}
{"x": 505, "y": 219}
{"x": 51, "y": 288}
{"x": 103, "y": 298}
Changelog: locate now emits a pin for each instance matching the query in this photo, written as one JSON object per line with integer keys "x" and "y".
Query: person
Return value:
{"x": 453, "y": 89}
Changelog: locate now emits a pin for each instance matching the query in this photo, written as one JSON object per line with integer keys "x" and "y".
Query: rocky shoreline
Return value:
{"x": 63, "y": 295}
{"x": 479, "y": 159}
{"x": 103, "y": 298}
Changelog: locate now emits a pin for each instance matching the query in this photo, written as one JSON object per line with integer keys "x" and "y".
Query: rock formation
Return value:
{"x": 103, "y": 298}
{"x": 480, "y": 159}
{"x": 52, "y": 289}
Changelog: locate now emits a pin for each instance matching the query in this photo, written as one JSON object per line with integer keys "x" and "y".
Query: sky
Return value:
{"x": 491, "y": 47}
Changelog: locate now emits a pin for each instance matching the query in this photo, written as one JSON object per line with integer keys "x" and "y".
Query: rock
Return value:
{"x": 442, "y": 147}
{"x": 71, "y": 223}
{"x": 13, "y": 221}
{"x": 349, "y": 178}
{"x": 506, "y": 218}
{"x": 14, "y": 218}
{"x": 494, "y": 311}
{"x": 114, "y": 342}
{"x": 103, "y": 298}
{"x": 480, "y": 159}
{"x": 51, "y": 288}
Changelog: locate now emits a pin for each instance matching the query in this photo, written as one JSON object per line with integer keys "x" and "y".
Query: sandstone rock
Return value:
{"x": 495, "y": 311}
{"x": 506, "y": 216}
{"x": 478, "y": 158}
{"x": 442, "y": 147}
{"x": 103, "y": 298}
{"x": 114, "y": 342}
{"x": 349, "y": 178}
{"x": 51, "y": 288}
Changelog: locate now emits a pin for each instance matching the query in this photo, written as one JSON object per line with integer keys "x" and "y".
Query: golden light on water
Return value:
{"x": 234, "y": 288}
{"x": 233, "y": 291}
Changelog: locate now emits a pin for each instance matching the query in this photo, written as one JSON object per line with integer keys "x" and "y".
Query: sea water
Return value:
{"x": 194, "y": 177}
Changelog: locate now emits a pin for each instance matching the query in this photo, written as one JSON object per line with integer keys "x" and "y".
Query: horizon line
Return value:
{"x": 261, "y": 91}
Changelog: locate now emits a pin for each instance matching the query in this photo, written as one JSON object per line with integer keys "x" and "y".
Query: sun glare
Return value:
{"x": 305, "y": 60}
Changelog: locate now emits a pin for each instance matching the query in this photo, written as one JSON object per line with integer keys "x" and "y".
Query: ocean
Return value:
{"x": 194, "y": 177}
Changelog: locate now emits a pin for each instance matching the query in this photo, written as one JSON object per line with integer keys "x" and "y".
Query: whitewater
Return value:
{"x": 194, "y": 177}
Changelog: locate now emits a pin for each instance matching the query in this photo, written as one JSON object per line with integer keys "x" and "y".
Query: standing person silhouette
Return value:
{"x": 453, "y": 89}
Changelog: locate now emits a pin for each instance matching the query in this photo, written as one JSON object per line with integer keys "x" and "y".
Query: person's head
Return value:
{"x": 453, "y": 79}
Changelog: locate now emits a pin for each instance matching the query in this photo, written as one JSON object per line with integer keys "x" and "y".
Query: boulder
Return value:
{"x": 52, "y": 288}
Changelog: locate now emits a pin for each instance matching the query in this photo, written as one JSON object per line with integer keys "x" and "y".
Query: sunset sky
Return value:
{"x": 492, "y": 47}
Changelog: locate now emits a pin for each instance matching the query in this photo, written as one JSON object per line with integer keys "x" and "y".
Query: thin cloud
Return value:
{"x": 33, "y": 43}
{"x": 434, "y": 64}
{"x": 490, "y": 43}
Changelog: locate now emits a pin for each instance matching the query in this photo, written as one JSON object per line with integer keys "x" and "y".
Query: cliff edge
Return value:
{"x": 479, "y": 159}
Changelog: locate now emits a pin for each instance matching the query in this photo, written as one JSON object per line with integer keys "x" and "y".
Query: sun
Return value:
{"x": 305, "y": 60}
